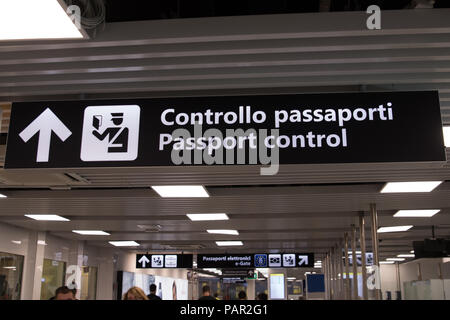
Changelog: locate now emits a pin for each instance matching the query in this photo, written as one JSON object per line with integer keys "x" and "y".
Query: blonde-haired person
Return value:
{"x": 135, "y": 293}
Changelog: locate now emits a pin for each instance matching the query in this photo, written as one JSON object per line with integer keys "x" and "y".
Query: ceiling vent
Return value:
{"x": 150, "y": 227}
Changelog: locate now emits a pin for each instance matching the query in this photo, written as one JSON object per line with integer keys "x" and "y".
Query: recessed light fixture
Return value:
{"x": 394, "y": 229}
{"x": 417, "y": 186}
{"x": 16, "y": 241}
{"x": 124, "y": 243}
{"x": 2, "y": 196}
{"x": 41, "y": 242}
{"x": 408, "y": 255}
{"x": 44, "y": 19}
{"x": 387, "y": 262}
{"x": 416, "y": 213}
{"x": 92, "y": 232}
{"x": 46, "y": 217}
{"x": 229, "y": 243}
{"x": 412, "y": 251}
{"x": 395, "y": 259}
{"x": 224, "y": 231}
{"x": 181, "y": 191}
{"x": 207, "y": 216}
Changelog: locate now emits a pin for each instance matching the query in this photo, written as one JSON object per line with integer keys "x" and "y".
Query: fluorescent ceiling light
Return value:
{"x": 291, "y": 278}
{"x": 229, "y": 243}
{"x": 386, "y": 262}
{"x": 46, "y": 217}
{"x": 356, "y": 252}
{"x": 42, "y": 242}
{"x": 16, "y": 241}
{"x": 446, "y": 131}
{"x": 219, "y": 231}
{"x": 43, "y": 19}
{"x": 181, "y": 191}
{"x": 418, "y": 186}
{"x": 124, "y": 243}
{"x": 92, "y": 232}
{"x": 319, "y": 261}
{"x": 416, "y": 213}
{"x": 207, "y": 216}
{"x": 394, "y": 229}
{"x": 12, "y": 268}
{"x": 406, "y": 255}
{"x": 2, "y": 196}
{"x": 412, "y": 251}
{"x": 395, "y": 259}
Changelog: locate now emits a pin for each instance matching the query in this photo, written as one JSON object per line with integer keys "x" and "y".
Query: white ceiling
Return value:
{"x": 303, "y": 208}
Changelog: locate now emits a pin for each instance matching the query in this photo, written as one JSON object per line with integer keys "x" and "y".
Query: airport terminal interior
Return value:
{"x": 99, "y": 192}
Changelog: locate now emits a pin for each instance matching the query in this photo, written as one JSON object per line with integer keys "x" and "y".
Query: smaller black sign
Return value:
{"x": 369, "y": 259}
{"x": 146, "y": 261}
{"x": 242, "y": 273}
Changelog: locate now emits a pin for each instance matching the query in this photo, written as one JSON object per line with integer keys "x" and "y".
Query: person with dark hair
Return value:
{"x": 261, "y": 296}
{"x": 242, "y": 295}
{"x": 152, "y": 295}
{"x": 206, "y": 294}
{"x": 64, "y": 293}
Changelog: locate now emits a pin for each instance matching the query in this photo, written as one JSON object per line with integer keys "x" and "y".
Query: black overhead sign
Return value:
{"x": 145, "y": 261}
{"x": 258, "y": 260}
{"x": 272, "y": 129}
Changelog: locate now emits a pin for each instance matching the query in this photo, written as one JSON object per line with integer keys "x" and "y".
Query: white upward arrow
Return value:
{"x": 303, "y": 260}
{"x": 143, "y": 260}
{"x": 45, "y": 123}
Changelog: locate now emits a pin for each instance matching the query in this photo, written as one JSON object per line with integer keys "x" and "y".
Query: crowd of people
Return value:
{"x": 136, "y": 293}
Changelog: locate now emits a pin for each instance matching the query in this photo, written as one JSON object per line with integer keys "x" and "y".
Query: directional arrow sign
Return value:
{"x": 45, "y": 123}
{"x": 302, "y": 260}
{"x": 143, "y": 260}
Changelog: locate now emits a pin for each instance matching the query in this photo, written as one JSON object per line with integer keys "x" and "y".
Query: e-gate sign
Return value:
{"x": 273, "y": 129}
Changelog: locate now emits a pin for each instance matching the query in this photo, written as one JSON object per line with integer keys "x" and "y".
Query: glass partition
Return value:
{"x": 88, "y": 283}
{"x": 11, "y": 269}
{"x": 53, "y": 275}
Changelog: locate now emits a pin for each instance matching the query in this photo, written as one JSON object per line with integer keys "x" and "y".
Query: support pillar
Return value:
{"x": 348, "y": 288}
{"x": 376, "y": 259}
{"x": 354, "y": 264}
{"x": 341, "y": 268}
{"x": 362, "y": 242}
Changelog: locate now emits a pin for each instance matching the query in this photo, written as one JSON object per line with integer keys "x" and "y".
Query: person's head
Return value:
{"x": 153, "y": 288}
{"x": 64, "y": 293}
{"x": 206, "y": 291}
{"x": 262, "y": 296}
{"x": 135, "y": 293}
{"x": 242, "y": 295}
{"x": 117, "y": 118}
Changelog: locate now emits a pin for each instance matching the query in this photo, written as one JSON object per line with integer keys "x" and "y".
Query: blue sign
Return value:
{"x": 260, "y": 260}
